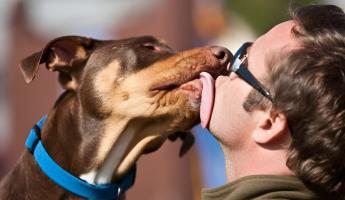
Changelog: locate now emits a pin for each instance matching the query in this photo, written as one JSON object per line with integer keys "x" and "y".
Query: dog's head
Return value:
{"x": 139, "y": 86}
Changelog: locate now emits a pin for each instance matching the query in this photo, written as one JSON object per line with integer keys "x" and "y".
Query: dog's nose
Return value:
{"x": 223, "y": 54}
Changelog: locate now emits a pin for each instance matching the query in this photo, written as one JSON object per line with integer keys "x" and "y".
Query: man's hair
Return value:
{"x": 308, "y": 86}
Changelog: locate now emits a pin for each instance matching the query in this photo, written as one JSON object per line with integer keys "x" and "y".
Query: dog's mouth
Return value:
{"x": 189, "y": 65}
{"x": 191, "y": 83}
{"x": 191, "y": 79}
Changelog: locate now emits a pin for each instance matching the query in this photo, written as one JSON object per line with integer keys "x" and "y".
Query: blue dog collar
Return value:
{"x": 66, "y": 180}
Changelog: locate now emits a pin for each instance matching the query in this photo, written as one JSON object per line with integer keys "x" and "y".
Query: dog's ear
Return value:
{"x": 64, "y": 54}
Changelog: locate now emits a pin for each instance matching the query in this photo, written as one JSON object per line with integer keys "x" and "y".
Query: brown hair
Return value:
{"x": 308, "y": 85}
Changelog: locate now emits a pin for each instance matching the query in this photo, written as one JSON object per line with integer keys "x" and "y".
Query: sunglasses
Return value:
{"x": 238, "y": 65}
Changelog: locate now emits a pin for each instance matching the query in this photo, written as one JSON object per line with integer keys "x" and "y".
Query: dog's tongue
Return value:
{"x": 207, "y": 98}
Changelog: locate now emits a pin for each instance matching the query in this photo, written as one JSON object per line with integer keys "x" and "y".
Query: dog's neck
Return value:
{"x": 112, "y": 145}
{"x": 33, "y": 183}
{"x": 97, "y": 147}
{"x": 120, "y": 147}
{"x": 83, "y": 146}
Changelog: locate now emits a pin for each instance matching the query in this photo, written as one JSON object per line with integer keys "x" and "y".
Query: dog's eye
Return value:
{"x": 151, "y": 47}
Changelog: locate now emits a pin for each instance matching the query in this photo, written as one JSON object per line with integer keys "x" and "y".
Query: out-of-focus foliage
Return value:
{"x": 261, "y": 15}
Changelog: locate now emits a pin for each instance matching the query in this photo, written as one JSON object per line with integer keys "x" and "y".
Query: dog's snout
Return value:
{"x": 221, "y": 53}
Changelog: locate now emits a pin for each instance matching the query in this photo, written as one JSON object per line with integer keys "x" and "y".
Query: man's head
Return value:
{"x": 234, "y": 90}
{"x": 302, "y": 64}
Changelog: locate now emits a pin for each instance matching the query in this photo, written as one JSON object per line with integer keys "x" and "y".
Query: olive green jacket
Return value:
{"x": 259, "y": 188}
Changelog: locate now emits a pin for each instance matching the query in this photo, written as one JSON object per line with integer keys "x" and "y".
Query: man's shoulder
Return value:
{"x": 260, "y": 187}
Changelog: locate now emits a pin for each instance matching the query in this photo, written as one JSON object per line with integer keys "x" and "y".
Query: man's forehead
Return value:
{"x": 279, "y": 37}
{"x": 276, "y": 41}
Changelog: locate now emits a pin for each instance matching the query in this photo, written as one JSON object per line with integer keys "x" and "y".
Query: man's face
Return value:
{"x": 230, "y": 123}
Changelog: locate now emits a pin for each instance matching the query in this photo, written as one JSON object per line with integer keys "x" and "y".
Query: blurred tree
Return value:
{"x": 261, "y": 15}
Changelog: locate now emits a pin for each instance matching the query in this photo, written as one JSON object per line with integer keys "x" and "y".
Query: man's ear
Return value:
{"x": 271, "y": 126}
{"x": 64, "y": 54}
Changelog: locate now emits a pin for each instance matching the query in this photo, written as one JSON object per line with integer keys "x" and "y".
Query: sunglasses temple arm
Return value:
{"x": 251, "y": 80}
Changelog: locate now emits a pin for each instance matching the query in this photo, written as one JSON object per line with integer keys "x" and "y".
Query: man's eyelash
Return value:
{"x": 244, "y": 59}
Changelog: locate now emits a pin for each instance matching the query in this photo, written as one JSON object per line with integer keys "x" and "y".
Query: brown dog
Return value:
{"x": 122, "y": 99}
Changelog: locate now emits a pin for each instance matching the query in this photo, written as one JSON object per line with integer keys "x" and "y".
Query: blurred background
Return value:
{"x": 26, "y": 26}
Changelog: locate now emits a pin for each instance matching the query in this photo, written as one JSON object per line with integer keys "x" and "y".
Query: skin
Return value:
{"x": 251, "y": 140}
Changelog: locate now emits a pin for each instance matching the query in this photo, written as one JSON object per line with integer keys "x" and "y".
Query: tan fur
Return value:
{"x": 152, "y": 107}
{"x": 163, "y": 106}
{"x": 56, "y": 61}
{"x": 103, "y": 82}
{"x": 123, "y": 98}
{"x": 80, "y": 53}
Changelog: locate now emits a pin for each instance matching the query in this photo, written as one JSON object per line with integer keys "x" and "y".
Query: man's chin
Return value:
{"x": 213, "y": 130}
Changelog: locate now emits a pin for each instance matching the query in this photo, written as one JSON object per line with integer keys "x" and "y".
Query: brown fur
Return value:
{"x": 121, "y": 96}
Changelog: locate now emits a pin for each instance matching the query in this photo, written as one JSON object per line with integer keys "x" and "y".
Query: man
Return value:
{"x": 280, "y": 114}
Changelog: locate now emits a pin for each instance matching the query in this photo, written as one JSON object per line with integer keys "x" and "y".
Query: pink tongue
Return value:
{"x": 207, "y": 98}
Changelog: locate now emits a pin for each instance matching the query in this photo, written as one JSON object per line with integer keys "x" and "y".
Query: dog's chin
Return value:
{"x": 181, "y": 110}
